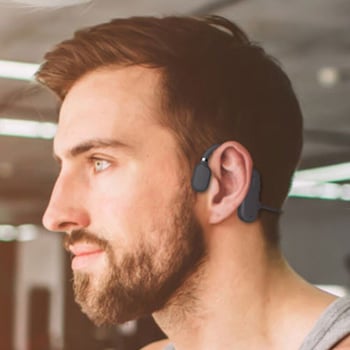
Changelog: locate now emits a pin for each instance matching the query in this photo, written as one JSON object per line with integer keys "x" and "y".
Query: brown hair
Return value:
{"x": 217, "y": 86}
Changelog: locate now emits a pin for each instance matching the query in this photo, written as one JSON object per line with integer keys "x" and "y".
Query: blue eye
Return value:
{"x": 100, "y": 164}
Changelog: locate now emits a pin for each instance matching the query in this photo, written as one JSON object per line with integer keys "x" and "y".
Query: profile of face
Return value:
{"x": 122, "y": 197}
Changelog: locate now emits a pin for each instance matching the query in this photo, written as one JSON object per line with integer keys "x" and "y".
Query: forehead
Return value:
{"x": 125, "y": 101}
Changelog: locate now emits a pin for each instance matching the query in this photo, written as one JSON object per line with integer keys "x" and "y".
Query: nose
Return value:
{"x": 66, "y": 210}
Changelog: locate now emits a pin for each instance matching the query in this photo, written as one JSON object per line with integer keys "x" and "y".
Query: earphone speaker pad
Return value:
{"x": 201, "y": 177}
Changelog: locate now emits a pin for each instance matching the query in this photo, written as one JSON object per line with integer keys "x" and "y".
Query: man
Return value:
{"x": 143, "y": 101}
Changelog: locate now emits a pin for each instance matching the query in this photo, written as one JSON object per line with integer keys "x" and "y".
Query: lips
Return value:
{"x": 85, "y": 255}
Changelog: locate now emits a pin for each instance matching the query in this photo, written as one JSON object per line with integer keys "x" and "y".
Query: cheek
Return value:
{"x": 129, "y": 203}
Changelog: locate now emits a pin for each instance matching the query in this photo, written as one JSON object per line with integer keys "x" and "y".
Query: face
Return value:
{"x": 122, "y": 197}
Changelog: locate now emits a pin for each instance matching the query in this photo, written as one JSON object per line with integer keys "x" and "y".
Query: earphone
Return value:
{"x": 249, "y": 209}
{"x": 202, "y": 173}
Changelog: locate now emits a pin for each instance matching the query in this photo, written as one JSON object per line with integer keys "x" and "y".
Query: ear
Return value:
{"x": 231, "y": 170}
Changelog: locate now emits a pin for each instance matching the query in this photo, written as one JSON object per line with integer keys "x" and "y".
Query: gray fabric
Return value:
{"x": 331, "y": 327}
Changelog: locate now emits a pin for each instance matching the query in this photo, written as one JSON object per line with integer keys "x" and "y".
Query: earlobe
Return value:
{"x": 231, "y": 167}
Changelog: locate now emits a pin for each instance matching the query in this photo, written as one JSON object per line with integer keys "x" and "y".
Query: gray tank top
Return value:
{"x": 330, "y": 328}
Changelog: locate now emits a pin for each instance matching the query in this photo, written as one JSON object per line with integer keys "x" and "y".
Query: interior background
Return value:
{"x": 305, "y": 36}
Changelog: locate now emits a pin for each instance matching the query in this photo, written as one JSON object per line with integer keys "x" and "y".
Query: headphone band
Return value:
{"x": 249, "y": 209}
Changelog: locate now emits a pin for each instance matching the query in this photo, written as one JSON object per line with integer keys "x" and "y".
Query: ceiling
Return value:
{"x": 306, "y": 37}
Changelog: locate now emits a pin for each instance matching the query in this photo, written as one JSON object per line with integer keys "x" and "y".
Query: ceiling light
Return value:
{"x": 328, "y": 76}
{"x": 47, "y": 3}
{"x": 27, "y": 233}
{"x": 18, "y": 70}
{"x": 329, "y": 191}
{"x": 337, "y": 290}
{"x": 8, "y": 233}
{"x": 22, "y": 233}
{"x": 337, "y": 172}
{"x": 27, "y": 128}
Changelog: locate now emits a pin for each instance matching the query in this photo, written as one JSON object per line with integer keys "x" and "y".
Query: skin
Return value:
{"x": 243, "y": 288}
{"x": 107, "y": 180}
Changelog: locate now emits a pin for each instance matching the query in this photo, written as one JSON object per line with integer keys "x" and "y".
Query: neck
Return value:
{"x": 241, "y": 289}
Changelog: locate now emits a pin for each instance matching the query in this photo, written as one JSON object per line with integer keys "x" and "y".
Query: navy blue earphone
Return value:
{"x": 249, "y": 209}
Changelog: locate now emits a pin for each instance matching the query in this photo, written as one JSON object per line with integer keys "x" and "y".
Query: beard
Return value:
{"x": 145, "y": 279}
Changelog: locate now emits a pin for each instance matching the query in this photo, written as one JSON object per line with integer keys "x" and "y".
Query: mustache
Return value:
{"x": 83, "y": 236}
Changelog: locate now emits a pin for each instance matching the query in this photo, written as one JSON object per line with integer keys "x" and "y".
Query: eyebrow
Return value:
{"x": 93, "y": 144}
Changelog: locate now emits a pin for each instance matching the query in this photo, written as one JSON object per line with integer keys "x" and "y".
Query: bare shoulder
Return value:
{"x": 158, "y": 345}
{"x": 344, "y": 344}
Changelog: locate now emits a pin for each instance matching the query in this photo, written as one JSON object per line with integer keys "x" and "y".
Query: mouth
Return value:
{"x": 85, "y": 255}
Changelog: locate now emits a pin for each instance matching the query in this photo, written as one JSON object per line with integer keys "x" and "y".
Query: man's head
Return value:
{"x": 143, "y": 98}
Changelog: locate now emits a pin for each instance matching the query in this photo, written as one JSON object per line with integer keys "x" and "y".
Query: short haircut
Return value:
{"x": 217, "y": 85}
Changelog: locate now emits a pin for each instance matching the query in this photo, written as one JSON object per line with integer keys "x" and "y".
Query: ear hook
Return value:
{"x": 202, "y": 173}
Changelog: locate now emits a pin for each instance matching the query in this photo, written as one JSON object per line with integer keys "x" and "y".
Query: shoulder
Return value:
{"x": 158, "y": 345}
{"x": 343, "y": 344}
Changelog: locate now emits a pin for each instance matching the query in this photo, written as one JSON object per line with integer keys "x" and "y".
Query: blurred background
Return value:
{"x": 310, "y": 38}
